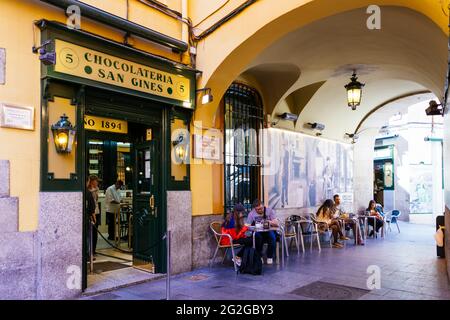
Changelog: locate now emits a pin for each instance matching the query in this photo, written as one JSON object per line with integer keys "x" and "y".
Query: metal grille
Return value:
{"x": 242, "y": 145}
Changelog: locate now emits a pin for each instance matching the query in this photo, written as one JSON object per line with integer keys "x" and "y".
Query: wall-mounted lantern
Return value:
{"x": 63, "y": 135}
{"x": 354, "y": 92}
{"x": 207, "y": 96}
{"x": 179, "y": 147}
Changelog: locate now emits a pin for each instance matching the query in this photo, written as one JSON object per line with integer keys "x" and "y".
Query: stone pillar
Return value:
{"x": 60, "y": 245}
{"x": 4, "y": 178}
{"x": 17, "y": 249}
{"x": 203, "y": 242}
{"x": 402, "y": 177}
{"x": 438, "y": 194}
{"x": 363, "y": 170}
{"x": 179, "y": 222}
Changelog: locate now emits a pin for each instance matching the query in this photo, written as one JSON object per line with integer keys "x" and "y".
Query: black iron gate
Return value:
{"x": 244, "y": 118}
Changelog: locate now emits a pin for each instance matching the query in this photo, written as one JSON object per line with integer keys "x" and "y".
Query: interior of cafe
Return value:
{"x": 112, "y": 157}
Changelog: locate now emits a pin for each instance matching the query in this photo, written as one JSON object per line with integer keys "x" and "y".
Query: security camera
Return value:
{"x": 317, "y": 126}
{"x": 352, "y": 136}
{"x": 47, "y": 58}
{"x": 434, "y": 109}
{"x": 288, "y": 116}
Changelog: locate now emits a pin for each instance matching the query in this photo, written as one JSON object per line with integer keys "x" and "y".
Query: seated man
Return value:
{"x": 259, "y": 214}
{"x": 338, "y": 213}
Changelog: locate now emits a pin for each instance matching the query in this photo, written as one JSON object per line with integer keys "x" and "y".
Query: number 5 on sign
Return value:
{"x": 105, "y": 124}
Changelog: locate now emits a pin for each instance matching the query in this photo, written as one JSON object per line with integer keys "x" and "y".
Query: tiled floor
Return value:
{"x": 105, "y": 281}
{"x": 408, "y": 263}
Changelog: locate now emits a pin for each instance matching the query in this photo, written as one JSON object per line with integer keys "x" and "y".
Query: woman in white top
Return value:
{"x": 324, "y": 217}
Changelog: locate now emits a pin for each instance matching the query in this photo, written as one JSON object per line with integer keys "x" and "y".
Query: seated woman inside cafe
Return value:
{"x": 235, "y": 227}
{"x": 376, "y": 223}
{"x": 325, "y": 219}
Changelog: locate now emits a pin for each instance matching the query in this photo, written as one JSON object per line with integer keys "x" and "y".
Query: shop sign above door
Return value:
{"x": 105, "y": 124}
{"x": 101, "y": 67}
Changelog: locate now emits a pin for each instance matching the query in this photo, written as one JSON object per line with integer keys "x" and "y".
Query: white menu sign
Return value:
{"x": 18, "y": 117}
{"x": 206, "y": 147}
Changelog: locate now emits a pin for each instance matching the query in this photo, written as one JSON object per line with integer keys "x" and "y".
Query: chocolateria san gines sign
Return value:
{"x": 98, "y": 66}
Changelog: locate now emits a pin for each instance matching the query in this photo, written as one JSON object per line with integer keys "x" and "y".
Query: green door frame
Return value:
{"x": 54, "y": 30}
{"x": 140, "y": 115}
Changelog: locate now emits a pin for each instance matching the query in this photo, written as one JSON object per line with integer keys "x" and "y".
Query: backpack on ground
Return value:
{"x": 251, "y": 262}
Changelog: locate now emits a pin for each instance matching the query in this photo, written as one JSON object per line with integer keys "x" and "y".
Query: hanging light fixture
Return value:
{"x": 63, "y": 135}
{"x": 354, "y": 92}
{"x": 207, "y": 96}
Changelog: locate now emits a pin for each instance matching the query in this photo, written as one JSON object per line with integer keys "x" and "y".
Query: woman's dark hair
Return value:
{"x": 328, "y": 204}
{"x": 370, "y": 205}
{"x": 238, "y": 210}
{"x": 235, "y": 215}
{"x": 91, "y": 178}
{"x": 238, "y": 225}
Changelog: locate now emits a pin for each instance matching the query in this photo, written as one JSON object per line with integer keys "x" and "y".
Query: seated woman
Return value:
{"x": 234, "y": 226}
{"x": 373, "y": 212}
{"x": 324, "y": 215}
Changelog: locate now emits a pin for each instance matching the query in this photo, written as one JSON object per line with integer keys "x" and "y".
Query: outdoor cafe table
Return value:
{"x": 366, "y": 219}
{"x": 354, "y": 219}
{"x": 276, "y": 229}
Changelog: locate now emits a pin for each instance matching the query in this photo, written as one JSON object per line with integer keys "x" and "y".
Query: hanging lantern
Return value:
{"x": 63, "y": 135}
{"x": 354, "y": 92}
{"x": 180, "y": 152}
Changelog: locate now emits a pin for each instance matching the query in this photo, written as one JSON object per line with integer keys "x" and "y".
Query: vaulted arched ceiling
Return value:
{"x": 408, "y": 55}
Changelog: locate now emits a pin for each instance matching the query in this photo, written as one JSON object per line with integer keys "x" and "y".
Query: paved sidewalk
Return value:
{"x": 408, "y": 263}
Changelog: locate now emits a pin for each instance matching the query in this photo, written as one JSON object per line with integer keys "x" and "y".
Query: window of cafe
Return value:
{"x": 243, "y": 121}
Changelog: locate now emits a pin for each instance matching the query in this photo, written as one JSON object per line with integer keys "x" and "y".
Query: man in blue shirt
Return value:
{"x": 259, "y": 214}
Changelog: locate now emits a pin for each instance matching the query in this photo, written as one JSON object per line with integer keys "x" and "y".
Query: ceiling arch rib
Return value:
{"x": 380, "y": 115}
{"x": 394, "y": 61}
{"x": 273, "y": 79}
{"x": 403, "y": 99}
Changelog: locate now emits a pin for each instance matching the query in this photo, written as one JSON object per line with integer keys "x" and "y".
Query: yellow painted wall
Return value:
{"x": 62, "y": 165}
{"x": 221, "y": 56}
{"x": 22, "y": 86}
